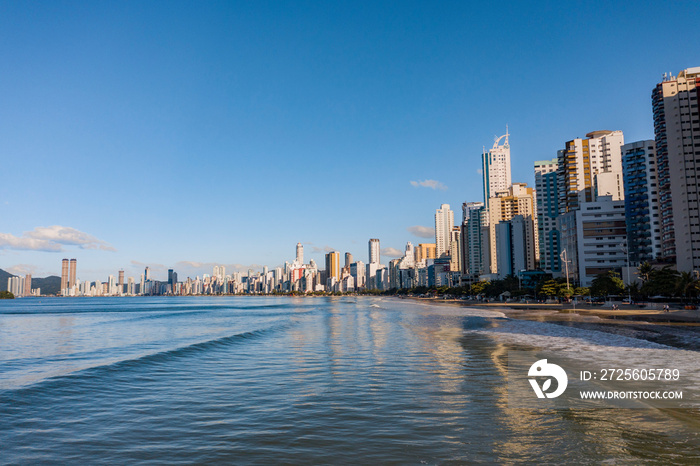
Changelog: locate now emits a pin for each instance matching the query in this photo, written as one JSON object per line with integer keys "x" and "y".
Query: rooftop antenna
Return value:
{"x": 507, "y": 134}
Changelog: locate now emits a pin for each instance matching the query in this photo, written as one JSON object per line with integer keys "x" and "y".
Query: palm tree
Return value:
{"x": 687, "y": 285}
{"x": 645, "y": 270}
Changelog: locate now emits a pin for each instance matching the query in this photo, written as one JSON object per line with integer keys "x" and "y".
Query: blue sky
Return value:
{"x": 183, "y": 134}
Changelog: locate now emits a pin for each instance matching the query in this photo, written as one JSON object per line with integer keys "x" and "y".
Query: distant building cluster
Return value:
{"x": 22, "y": 286}
{"x": 600, "y": 204}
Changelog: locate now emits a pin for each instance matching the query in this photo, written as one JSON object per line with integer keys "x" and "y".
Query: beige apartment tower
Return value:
{"x": 64, "y": 275}
{"x": 590, "y": 167}
{"x": 73, "y": 266}
{"x": 424, "y": 251}
{"x": 677, "y": 135}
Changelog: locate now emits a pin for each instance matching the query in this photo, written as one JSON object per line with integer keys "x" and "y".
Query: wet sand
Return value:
{"x": 678, "y": 328}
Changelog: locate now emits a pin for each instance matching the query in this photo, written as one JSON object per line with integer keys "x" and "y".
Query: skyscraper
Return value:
{"x": 474, "y": 239}
{"x": 547, "y": 213}
{"x": 64, "y": 275}
{"x": 348, "y": 260}
{"x": 300, "y": 253}
{"x": 496, "y": 168}
{"x": 73, "y": 266}
{"x": 590, "y": 167}
{"x": 444, "y": 221}
{"x": 147, "y": 273}
{"x": 677, "y": 136}
{"x": 424, "y": 251}
{"x": 333, "y": 265}
{"x": 374, "y": 251}
{"x": 504, "y": 205}
{"x": 28, "y": 285}
{"x": 642, "y": 211}
{"x": 121, "y": 280}
{"x": 456, "y": 249}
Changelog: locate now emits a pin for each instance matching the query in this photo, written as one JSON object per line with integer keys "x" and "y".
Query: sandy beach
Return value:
{"x": 679, "y": 328}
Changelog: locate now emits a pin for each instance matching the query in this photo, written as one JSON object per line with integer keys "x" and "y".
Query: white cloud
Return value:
{"x": 52, "y": 239}
{"x": 68, "y": 236}
{"x": 324, "y": 249}
{"x": 391, "y": 252}
{"x": 9, "y": 241}
{"x": 432, "y": 184}
{"x": 22, "y": 269}
{"x": 421, "y": 231}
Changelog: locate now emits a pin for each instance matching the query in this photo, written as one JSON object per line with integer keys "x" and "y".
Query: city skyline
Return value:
{"x": 147, "y": 167}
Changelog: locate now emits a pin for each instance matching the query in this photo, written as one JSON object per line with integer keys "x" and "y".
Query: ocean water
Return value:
{"x": 249, "y": 380}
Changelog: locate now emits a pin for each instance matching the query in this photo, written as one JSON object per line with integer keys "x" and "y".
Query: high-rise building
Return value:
{"x": 503, "y": 206}
{"x": 424, "y": 251}
{"x": 547, "y": 213}
{"x": 444, "y": 221}
{"x": 16, "y": 286}
{"x": 496, "y": 168}
{"x": 677, "y": 136}
{"x": 592, "y": 236}
{"x": 121, "y": 280}
{"x": 348, "y": 260}
{"x": 513, "y": 256}
{"x": 357, "y": 270}
{"x": 456, "y": 249}
{"x": 642, "y": 212}
{"x": 147, "y": 273}
{"x": 333, "y": 265}
{"x": 300, "y": 253}
{"x": 64, "y": 275}
{"x": 73, "y": 266}
{"x": 474, "y": 239}
{"x": 28, "y": 285}
{"x": 588, "y": 168}
{"x": 374, "y": 251}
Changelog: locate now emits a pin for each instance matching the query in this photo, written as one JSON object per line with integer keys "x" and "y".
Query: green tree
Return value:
{"x": 606, "y": 284}
{"x": 480, "y": 287}
{"x": 644, "y": 271}
{"x": 548, "y": 288}
{"x": 687, "y": 285}
{"x": 6, "y": 295}
{"x": 663, "y": 282}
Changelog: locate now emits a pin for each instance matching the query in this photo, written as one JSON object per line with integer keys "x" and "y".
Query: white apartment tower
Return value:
{"x": 300, "y": 253}
{"x": 444, "y": 221}
{"x": 374, "y": 251}
{"x": 496, "y": 168}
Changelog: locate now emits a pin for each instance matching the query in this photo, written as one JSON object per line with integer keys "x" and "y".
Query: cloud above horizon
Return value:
{"x": 324, "y": 249}
{"x": 432, "y": 184}
{"x": 52, "y": 239}
{"x": 421, "y": 231}
{"x": 391, "y": 252}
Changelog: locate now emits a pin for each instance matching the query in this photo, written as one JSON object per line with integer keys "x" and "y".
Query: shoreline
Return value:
{"x": 677, "y": 329}
{"x": 629, "y": 313}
